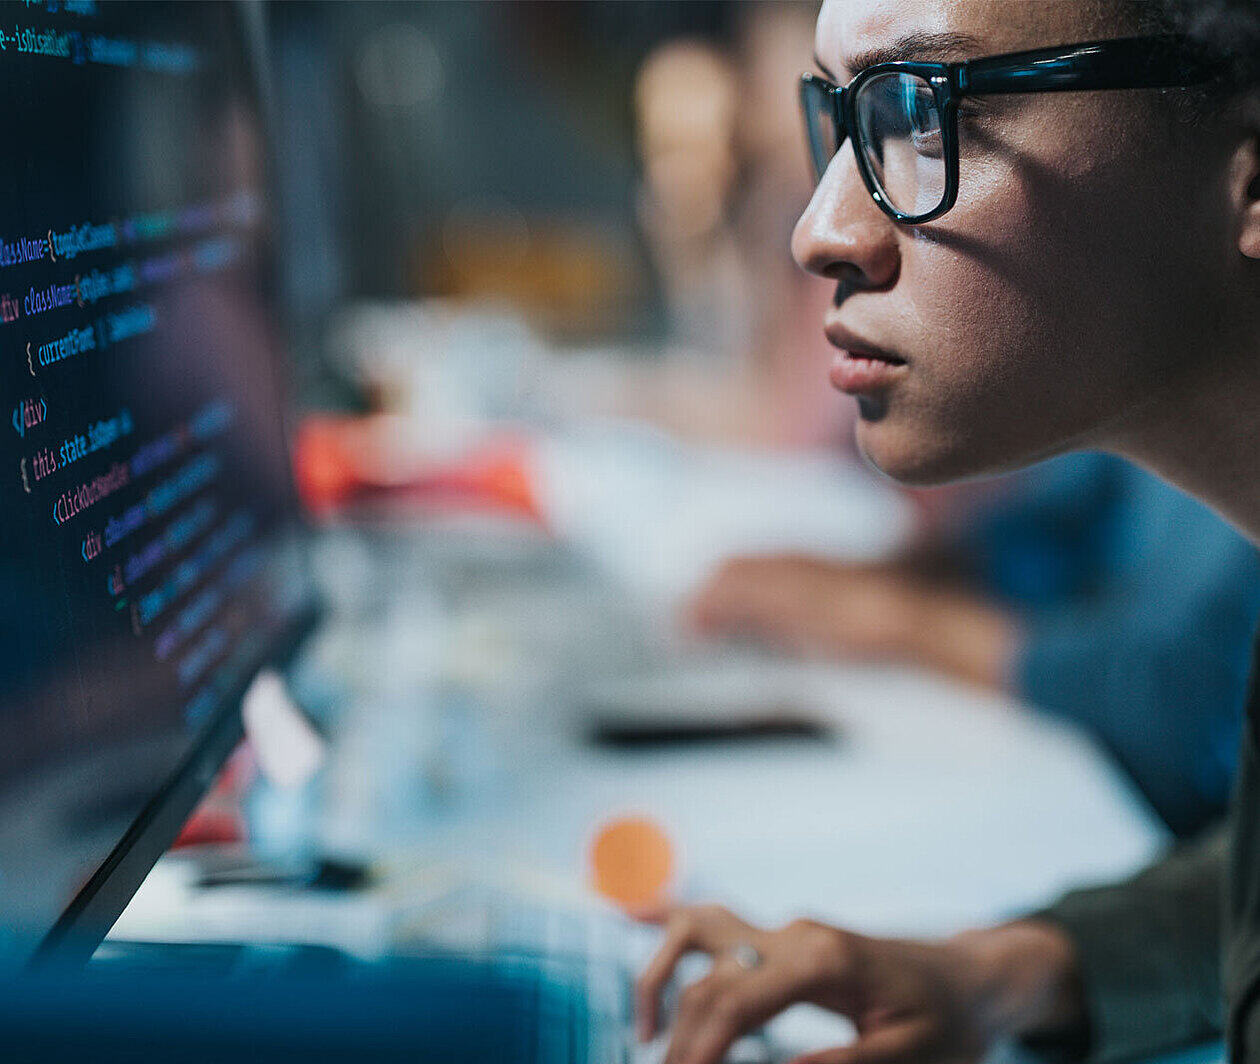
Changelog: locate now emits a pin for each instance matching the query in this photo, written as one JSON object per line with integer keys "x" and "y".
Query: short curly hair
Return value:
{"x": 1228, "y": 29}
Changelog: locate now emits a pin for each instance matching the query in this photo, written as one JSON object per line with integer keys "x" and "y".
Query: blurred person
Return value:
{"x": 724, "y": 178}
{"x": 1091, "y": 590}
{"x": 1032, "y": 253}
{"x": 685, "y": 108}
{"x": 784, "y": 349}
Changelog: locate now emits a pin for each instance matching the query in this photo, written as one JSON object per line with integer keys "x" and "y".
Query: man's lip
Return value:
{"x": 861, "y": 367}
{"x": 853, "y": 345}
{"x": 856, "y": 373}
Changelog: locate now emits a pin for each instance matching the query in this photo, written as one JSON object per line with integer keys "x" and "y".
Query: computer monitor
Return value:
{"x": 150, "y": 548}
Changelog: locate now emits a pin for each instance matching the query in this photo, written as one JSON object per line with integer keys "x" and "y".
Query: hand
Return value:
{"x": 868, "y": 612}
{"x": 811, "y": 605}
{"x": 910, "y": 1001}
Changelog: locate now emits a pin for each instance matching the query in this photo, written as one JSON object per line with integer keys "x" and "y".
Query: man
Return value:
{"x": 1032, "y": 253}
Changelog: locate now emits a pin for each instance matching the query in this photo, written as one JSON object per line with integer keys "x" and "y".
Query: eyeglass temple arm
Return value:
{"x": 1134, "y": 63}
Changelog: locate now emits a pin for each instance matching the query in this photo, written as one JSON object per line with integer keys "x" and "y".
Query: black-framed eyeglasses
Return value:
{"x": 903, "y": 116}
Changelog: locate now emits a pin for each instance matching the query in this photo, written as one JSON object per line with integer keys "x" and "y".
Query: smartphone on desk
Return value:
{"x": 695, "y": 709}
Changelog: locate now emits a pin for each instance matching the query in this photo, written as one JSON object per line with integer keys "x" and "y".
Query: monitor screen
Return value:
{"x": 149, "y": 558}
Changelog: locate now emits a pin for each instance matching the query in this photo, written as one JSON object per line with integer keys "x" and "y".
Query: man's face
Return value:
{"x": 1071, "y": 289}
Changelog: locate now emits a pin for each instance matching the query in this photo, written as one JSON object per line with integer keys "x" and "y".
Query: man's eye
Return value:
{"x": 927, "y": 143}
{"x": 922, "y": 112}
{"x": 924, "y": 123}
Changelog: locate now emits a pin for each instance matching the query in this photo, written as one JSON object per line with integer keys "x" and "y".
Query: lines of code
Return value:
{"x": 150, "y": 555}
{"x": 137, "y": 491}
{"x": 240, "y": 209}
{"x": 81, "y": 44}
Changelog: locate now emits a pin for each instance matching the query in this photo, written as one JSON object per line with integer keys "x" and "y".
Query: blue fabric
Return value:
{"x": 1141, "y": 606}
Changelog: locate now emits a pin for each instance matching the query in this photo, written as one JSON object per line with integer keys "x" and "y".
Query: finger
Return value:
{"x": 736, "y": 617}
{"x": 760, "y": 605}
{"x": 716, "y": 929}
{"x": 724, "y": 590}
{"x": 709, "y": 928}
{"x": 657, "y": 912}
{"x": 739, "y": 1005}
{"x": 694, "y": 1004}
{"x": 898, "y": 1044}
{"x": 647, "y": 990}
{"x": 840, "y": 1055}
{"x": 707, "y": 609}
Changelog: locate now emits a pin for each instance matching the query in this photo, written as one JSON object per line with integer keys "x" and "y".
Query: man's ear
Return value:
{"x": 1249, "y": 233}
{"x": 1248, "y": 160}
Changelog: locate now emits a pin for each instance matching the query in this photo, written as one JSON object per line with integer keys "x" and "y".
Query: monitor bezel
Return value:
{"x": 86, "y": 921}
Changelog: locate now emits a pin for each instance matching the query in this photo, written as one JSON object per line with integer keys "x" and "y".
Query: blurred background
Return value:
{"x": 619, "y": 177}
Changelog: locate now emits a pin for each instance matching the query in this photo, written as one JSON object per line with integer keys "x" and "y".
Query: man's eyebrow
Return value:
{"x": 824, "y": 68}
{"x": 920, "y": 47}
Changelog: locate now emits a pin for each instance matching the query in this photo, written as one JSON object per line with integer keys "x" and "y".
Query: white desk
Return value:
{"x": 937, "y": 808}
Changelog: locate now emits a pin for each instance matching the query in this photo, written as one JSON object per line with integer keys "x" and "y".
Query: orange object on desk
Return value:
{"x": 632, "y": 862}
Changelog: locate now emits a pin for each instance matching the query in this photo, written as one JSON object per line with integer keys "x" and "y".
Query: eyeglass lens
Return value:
{"x": 820, "y": 125}
{"x": 898, "y": 132}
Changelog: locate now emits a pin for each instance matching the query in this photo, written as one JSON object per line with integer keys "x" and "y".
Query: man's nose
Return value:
{"x": 843, "y": 234}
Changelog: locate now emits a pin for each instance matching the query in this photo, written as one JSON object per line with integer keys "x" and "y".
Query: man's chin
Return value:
{"x": 912, "y": 459}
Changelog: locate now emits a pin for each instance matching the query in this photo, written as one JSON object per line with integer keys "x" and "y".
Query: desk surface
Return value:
{"x": 938, "y": 806}
{"x": 935, "y": 808}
